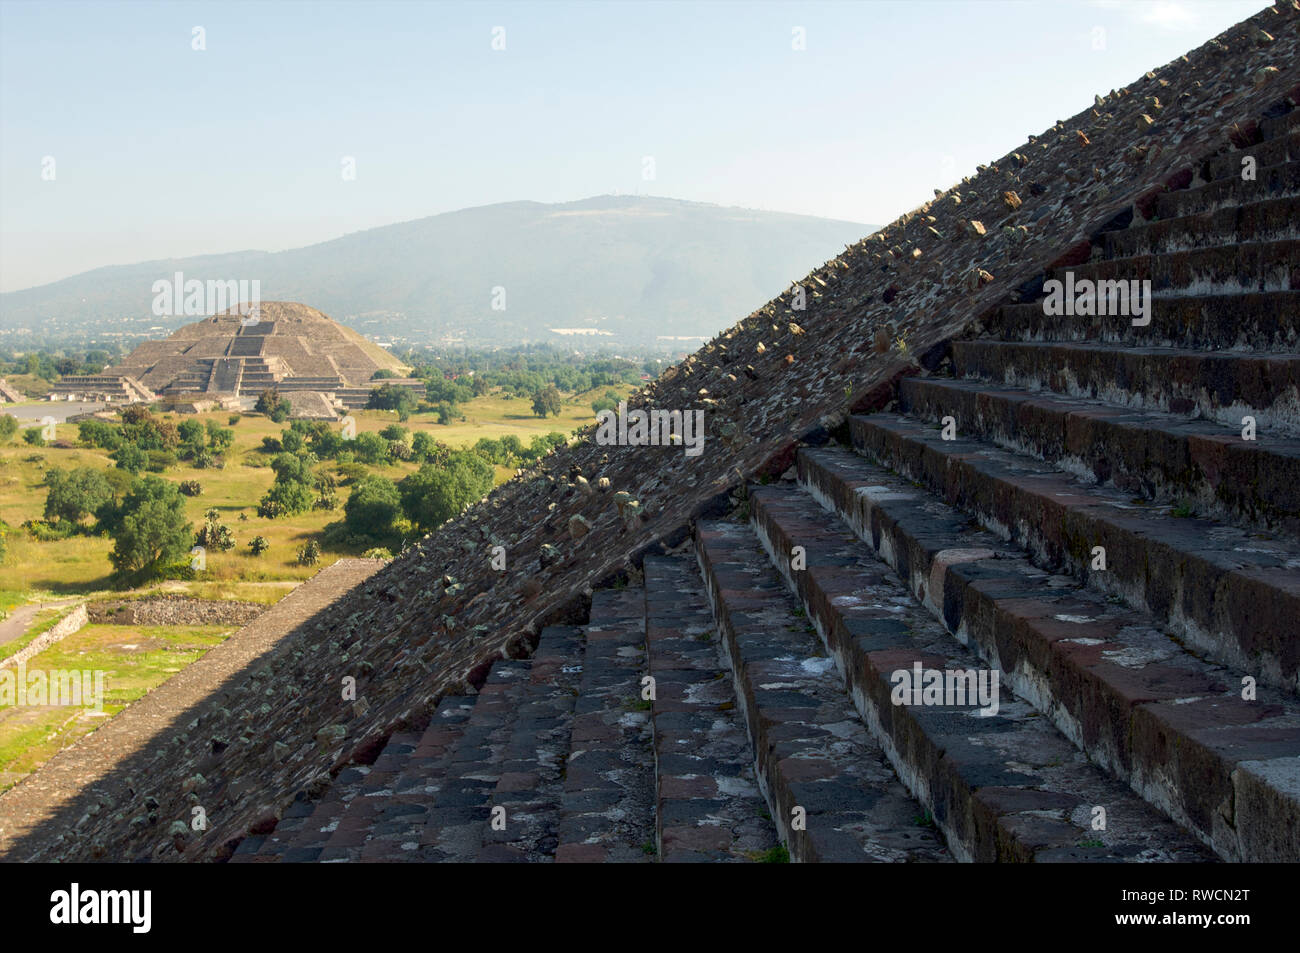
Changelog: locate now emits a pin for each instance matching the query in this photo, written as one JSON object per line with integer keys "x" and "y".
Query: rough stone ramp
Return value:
{"x": 89, "y": 776}
{"x": 832, "y": 793}
{"x": 709, "y": 805}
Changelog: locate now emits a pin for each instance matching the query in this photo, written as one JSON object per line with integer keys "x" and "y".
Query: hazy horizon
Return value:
{"x": 121, "y": 142}
{"x": 470, "y": 208}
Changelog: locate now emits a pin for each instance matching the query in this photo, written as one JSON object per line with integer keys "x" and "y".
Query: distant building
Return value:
{"x": 288, "y": 346}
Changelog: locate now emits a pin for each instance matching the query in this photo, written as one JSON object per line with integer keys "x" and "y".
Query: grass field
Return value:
{"x": 79, "y": 565}
{"x": 134, "y": 660}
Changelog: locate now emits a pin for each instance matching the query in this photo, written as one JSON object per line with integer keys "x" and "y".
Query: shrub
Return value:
{"x": 259, "y": 545}
{"x": 159, "y": 460}
{"x": 190, "y": 487}
{"x": 309, "y": 555}
{"x": 352, "y": 472}
{"x": 214, "y": 534}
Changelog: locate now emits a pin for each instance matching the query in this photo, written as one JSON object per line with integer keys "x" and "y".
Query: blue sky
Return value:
{"x": 161, "y": 150}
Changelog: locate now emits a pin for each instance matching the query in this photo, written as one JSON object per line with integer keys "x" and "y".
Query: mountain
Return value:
{"x": 637, "y": 268}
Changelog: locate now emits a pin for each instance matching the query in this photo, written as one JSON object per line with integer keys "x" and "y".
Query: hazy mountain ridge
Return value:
{"x": 636, "y": 266}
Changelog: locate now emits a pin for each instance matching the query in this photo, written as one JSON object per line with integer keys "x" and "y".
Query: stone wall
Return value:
{"x": 173, "y": 610}
{"x": 70, "y": 623}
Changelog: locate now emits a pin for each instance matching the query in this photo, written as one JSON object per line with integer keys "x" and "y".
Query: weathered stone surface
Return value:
{"x": 1002, "y": 786}
{"x": 411, "y": 639}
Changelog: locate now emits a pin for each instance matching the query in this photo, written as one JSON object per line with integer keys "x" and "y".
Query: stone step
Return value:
{"x": 1270, "y": 152}
{"x": 1223, "y": 269}
{"x": 1215, "y": 385}
{"x": 1269, "y": 181}
{"x": 1267, "y": 321}
{"x": 811, "y": 749}
{"x": 999, "y": 781}
{"x": 708, "y": 807}
{"x": 1191, "y": 463}
{"x": 1173, "y": 727}
{"x": 1269, "y": 220}
{"x": 607, "y": 807}
{"x": 526, "y": 800}
{"x": 451, "y": 828}
{"x": 1231, "y": 595}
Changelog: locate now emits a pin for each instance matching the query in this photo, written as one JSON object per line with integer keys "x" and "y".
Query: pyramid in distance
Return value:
{"x": 1086, "y": 522}
{"x": 285, "y": 345}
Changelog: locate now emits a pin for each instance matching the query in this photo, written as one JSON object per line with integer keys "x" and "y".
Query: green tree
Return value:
{"x": 434, "y": 494}
{"x": 372, "y": 507}
{"x": 608, "y": 402}
{"x": 150, "y": 530}
{"x": 99, "y": 433}
{"x": 130, "y": 457}
{"x": 392, "y": 397}
{"x": 426, "y": 449}
{"x": 284, "y": 498}
{"x": 270, "y": 402}
{"x": 8, "y": 427}
{"x": 370, "y": 448}
{"x": 193, "y": 438}
{"x": 220, "y": 439}
{"x": 75, "y": 494}
{"x": 546, "y": 401}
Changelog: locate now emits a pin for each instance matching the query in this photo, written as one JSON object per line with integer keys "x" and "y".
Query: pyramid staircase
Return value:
{"x": 1076, "y": 503}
